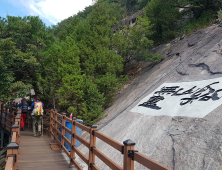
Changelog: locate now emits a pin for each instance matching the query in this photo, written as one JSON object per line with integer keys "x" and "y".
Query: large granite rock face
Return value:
{"x": 180, "y": 143}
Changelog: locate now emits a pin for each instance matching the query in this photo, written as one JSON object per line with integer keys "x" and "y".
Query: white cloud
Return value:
{"x": 53, "y": 10}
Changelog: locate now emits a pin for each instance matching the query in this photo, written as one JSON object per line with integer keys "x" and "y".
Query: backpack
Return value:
{"x": 24, "y": 107}
{"x": 38, "y": 110}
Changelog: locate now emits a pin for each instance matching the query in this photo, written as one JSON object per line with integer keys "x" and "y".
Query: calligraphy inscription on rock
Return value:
{"x": 191, "y": 99}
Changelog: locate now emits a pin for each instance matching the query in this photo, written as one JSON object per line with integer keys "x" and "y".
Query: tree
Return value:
{"x": 50, "y": 80}
{"x": 93, "y": 37}
{"x": 163, "y": 15}
{"x": 27, "y": 37}
{"x": 81, "y": 71}
{"x": 78, "y": 93}
{"x": 12, "y": 61}
{"x": 133, "y": 44}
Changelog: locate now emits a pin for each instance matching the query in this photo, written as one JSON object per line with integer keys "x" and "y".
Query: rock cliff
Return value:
{"x": 180, "y": 142}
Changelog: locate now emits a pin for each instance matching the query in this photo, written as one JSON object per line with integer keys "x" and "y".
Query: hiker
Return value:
{"x": 37, "y": 109}
{"x": 24, "y": 107}
{"x": 13, "y": 103}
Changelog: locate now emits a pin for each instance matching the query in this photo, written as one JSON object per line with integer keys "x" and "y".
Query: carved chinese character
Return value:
{"x": 167, "y": 90}
{"x": 185, "y": 92}
{"x": 151, "y": 103}
{"x": 212, "y": 93}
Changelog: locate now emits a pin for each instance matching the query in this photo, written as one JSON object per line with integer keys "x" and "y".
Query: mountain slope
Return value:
{"x": 181, "y": 143}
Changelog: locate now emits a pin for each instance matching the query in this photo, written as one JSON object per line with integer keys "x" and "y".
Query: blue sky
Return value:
{"x": 50, "y": 11}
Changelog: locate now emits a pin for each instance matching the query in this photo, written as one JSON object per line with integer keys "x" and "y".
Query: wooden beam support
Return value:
{"x": 92, "y": 144}
{"x": 73, "y": 141}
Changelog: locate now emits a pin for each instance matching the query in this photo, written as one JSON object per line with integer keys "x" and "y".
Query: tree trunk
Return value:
{"x": 53, "y": 102}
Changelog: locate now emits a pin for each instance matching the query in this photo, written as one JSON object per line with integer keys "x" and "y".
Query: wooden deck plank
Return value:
{"x": 35, "y": 153}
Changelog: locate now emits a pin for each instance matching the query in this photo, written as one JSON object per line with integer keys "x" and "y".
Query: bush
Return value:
{"x": 163, "y": 17}
{"x": 193, "y": 24}
{"x": 219, "y": 14}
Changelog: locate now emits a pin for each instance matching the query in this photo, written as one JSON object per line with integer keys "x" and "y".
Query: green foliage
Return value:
{"x": 21, "y": 42}
{"x": 163, "y": 16}
{"x": 78, "y": 64}
{"x": 83, "y": 14}
{"x": 12, "y": 61}
{"x": 81, "y": 73}
{"x": 219, "y": 14}
{"x": 78, "y": 93}
{"x": 50, "y": 79}
{"x": 116, "y": 11}
{"x": 66, "y": 27}
{"x": 131, "y": 6}
{"x": 200, "y": 6}
{"x": 93, "y": 39}
{"x": 133, "y": 44}
{"x": 194, "y": 24}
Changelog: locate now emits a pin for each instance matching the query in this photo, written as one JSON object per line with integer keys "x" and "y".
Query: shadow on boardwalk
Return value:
{"x": 35, "y": 153}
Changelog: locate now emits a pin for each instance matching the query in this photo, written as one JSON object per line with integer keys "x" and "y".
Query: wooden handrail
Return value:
{"x": 76, "y": 164}
{"x": 87, "y": 129}
{"x": 125, "y": 149}
{"x": 106, "y": 160}
{"x": 44, "y": 116}
{"x": 83, "y": 141}
{"x": 59, "y": 115}
{"x": 68, "y": 119}
{"x": 9, "y": 163}
{"x": 14, "y": 137}
{"x": 149, "y": 163}
{"x": 58, "y": 132}
{"x": 46, "y": 123}
{"x": 80, "y": 154}
{"x": 12, "y": 153}
{"x": 58, "y": 123}
{"x": 12, "y": 125}
{"x": 57, "y": 141}
{"x": 68, "y": 130}
{"x": 94, "y": 167}
{"x": 73, "y": 143}
{"x": 118, "y": 146}
{"x": 66, "y": 151}
{"x": 67, "y": 140}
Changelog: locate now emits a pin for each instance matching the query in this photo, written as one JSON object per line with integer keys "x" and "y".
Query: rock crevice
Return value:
{"x": 205, "y": 67}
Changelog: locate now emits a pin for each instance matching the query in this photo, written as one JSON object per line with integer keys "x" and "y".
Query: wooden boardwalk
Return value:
{"x": 35, "y": 154}
{"x": 26, "y": 152}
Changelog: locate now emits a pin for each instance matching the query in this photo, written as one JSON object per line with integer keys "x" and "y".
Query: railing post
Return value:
{"x": 15, "y": 128}
{"x": 63, "y": 130}
{"x": 12, "y": 151}
{"x": 6, "y": 115}
{"x": 18, "y": 119}
{"x": 92, "y": 145}
{"x": 55, "y": 124}
{"x": 2, "y": 137}
{"x": 73, "y": 140}
{"x": 19, "y": 112}
{"x": 51, "y": 122}
{"x": 1, "y": 113}
{"x": 128, "y": 161}
{"x": 12, "y": 117}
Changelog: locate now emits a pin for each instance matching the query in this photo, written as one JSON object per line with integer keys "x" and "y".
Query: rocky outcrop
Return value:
{"x": 181, "y": 143}
{"x": 126, "y": 21}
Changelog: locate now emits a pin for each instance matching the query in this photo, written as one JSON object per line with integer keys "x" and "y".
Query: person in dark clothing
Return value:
{"x": 24, "y": 106}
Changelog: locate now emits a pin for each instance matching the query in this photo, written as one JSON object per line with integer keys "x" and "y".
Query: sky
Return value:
{"x": 50, "y": 11}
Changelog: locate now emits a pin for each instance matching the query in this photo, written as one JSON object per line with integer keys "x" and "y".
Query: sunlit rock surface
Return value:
{"x": 180, "y": 143}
